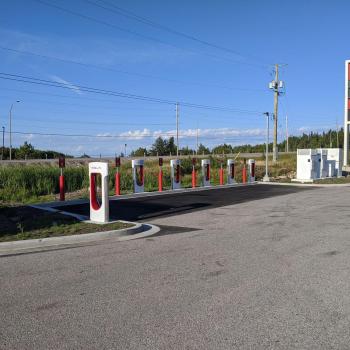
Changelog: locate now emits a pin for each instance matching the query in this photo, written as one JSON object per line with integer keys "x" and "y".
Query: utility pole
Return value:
{"x": 11, "y": 129}
{"x": 197, "y": 139}
{"x": 337, "y": 134}
{"x": 177, "y": 129}
{"x": 275, "y": 85}
{"x": 3, "y": 143}
{"x": 266, "y": 177}
{"x": 287, "y": 136}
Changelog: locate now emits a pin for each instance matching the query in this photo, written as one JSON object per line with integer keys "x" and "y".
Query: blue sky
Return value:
{"x": 310, "y": 36}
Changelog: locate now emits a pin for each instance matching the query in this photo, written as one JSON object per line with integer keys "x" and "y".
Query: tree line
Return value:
{"x": 27, "y": 151}
{"x": 164, "y": 147}
{"x": 326, "y": 139}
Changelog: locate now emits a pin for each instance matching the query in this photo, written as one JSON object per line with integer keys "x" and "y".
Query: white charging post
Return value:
{"x": 99, "y": 210}
{"x": 138, "y": 175}
{"x": 206, "y": 172}
{"x": 230, "y": 171}
{"x": 251, "y": 170}
{"x": 175, "y": 170}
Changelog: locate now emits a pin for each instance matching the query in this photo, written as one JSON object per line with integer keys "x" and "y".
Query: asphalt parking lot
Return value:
{"x": 263, "y": 272}
{"x": 172, "y": 203}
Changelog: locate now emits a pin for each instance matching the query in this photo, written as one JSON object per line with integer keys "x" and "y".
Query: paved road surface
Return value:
{"x": 145, "y": 208}
{"x": 272, "y": 273}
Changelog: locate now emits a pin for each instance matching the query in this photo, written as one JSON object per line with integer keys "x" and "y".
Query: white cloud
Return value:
{"x": 67, "y": 83}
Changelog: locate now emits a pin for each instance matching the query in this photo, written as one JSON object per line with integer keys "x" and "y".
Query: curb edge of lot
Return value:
{"x": 140, "y": 230}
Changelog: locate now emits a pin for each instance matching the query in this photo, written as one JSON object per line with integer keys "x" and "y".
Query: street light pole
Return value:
{"x": 266, "y": 177}
{"x": 3, "y": 143}
{"x": 11, "y": 129}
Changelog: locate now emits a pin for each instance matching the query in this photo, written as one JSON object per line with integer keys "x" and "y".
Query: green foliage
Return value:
{"x": 18, "y": 183}
{"x": 27, "y": 151}
{"x": 140, "y": 152}
{"x": 162, "y": 147}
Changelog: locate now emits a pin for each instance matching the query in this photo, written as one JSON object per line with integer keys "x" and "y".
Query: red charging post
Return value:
{"x": 244, "y": 172}
{"x": 221, "y": 175}
{"x": 117, "y": 177}
{"x": 194, "y": 172}
{"x": 160, "y": 175}
{"x": 61, "y": 164}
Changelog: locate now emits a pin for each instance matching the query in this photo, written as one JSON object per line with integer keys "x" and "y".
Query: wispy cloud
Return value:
{"x": 67, "y": 83}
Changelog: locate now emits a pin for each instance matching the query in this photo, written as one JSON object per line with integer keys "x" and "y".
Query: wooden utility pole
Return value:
{"x": 275, "y": 115}
{"x": 276, "y": 85}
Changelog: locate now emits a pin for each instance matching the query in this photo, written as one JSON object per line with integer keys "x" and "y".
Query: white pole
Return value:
{"x": 177, "y": 129}
{"x": 266, "y": 177}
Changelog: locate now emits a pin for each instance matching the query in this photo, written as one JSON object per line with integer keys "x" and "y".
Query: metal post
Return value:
{"x": 287, "y": 136}
{"x": 266, "y": 177}
{"x": 177, "y": 129}
{"x": 11, "y": 131}
{"x": 3, "y": 143}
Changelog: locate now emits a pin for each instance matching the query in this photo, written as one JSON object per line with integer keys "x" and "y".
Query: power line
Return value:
{"x": 126, "y": 72}
{"x": 93, "y": 19}
{"x": 81, "y": 88}
{"x": 70, "y": 121}
{"x": 120, "y": 11}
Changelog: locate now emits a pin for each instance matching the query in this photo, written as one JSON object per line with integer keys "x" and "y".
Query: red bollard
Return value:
{"x": 117, "y": 183}
{"x": 160, "y": 175}
{"x": 194, "y": 178}
{"x": 244, "y": 174}
{"x": 160, "y": 180}
{"x": 221, "y": 176}
{"x": 62, "y": 196}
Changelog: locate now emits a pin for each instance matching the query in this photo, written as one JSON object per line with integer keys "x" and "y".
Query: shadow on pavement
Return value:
{"x": 140, "y": 209}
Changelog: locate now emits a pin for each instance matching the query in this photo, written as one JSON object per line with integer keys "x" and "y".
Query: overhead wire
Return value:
{"x": 93, "y": 19}
{"x": 126, "y": 13}
{"x": 76, "y": 87}
{"x": 178, "y": 81}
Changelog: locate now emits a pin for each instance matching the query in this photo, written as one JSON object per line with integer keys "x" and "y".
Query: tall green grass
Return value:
{"x": 23, "y": 183}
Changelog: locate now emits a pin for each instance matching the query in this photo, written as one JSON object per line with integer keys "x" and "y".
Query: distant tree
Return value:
{"x": 170, "y": 146}
{"x": 158, "y": 147}
{"x": 203, "y": 150}
{"x": 185, "y": 151}
{"x": 140, "y": 152}
{"x": 222, "y": 149}
{"x": 26, "y": 151}
{"x": 85, "y": 156}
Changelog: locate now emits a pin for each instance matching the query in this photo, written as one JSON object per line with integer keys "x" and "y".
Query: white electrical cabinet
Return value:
{"x": 335, "y": 161}
{"x": 308, "y": 164}
{"x": 319, "y": 163}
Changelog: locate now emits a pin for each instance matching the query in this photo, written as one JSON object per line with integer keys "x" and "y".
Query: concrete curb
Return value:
{"x": 138, "y": 231}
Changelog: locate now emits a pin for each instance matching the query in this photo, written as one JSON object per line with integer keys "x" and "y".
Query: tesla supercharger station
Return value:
{"x": 230, "y": 171}
{"x": 99, "y": 209}
{"x": 138, "y": 175}
{"x": 206, "y": 172}
{"x": 175, "y": 169}
{"x": 251, "y": 170}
